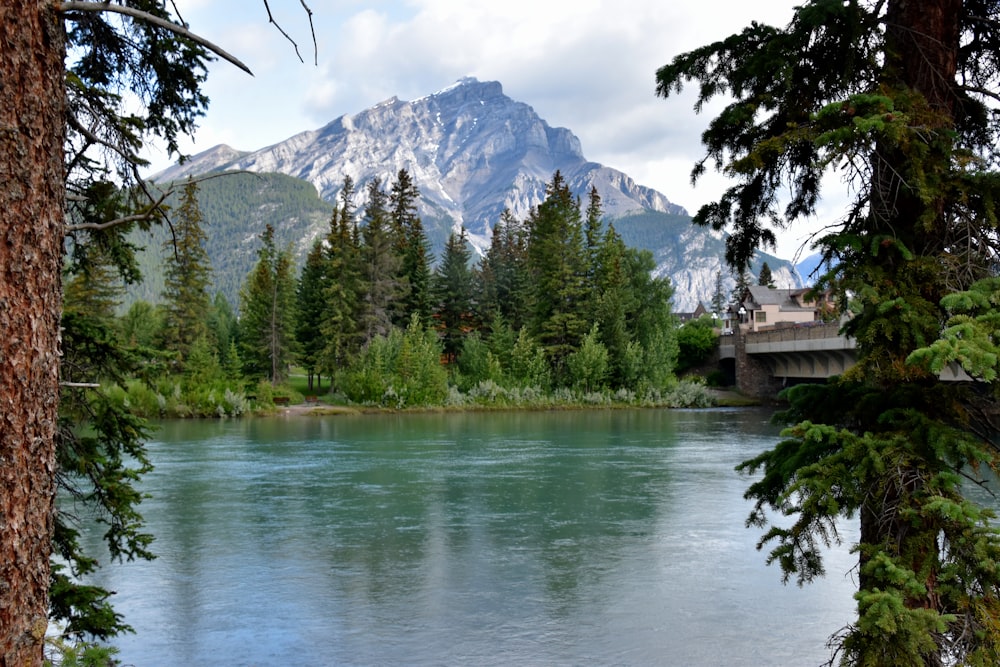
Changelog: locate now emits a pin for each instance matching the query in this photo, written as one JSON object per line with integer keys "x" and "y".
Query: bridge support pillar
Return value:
{"x": 753, "y": 376}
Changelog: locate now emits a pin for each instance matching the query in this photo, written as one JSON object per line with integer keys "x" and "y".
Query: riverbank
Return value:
{"x": 721, "y": 397}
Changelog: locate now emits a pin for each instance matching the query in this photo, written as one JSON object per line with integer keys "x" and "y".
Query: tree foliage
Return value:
{"x": 556, "y": 264}
{"x": 412, "y": 248}
{"x": 696, "y": 340}
{"x": 187, "y": 275}
{"x": 502, "y": 275}
{"x": 452, "y": 293}
{"x": 267, "y": 313}
{"x": 900, "y": 97}
{"x": 381, "y": 273}
{"x": 341, "y": 325}
{"x": 764, "y": 277}
{"x": 310, "y": 300}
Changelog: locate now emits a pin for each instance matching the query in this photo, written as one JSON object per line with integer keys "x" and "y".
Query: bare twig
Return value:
{"x": 270, "y": 19}
{"x": 157, "y": 21}
{"x": 312, "y": 30}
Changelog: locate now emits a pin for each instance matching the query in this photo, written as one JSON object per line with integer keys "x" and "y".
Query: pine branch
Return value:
{"x": 158, "y": 22}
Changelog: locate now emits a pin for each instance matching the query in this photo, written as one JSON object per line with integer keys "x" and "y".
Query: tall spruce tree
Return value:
{"x": 310, "y": 311}
{"x": 267, "y": 306}
{"x": 557, "y": 265}
{"x": 741, "y": 286}
{"x": 452, "y": 293}
{"x": 614, "y": 303}
{"x": 593, "y": 233}
{"x": 764, "y": 277}
{"x": 900, "y": 96}
{"x": 187, "y": 272}
{"x": 718, "y": 295}
{"x": 413, "y": 249}
{"x": 381, "y": 267}
{"x": 502, "y": 282}
{"x": 341, "y": 326}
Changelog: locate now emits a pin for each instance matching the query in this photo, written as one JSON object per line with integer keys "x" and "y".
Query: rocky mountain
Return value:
{"x": 473, "y": 152}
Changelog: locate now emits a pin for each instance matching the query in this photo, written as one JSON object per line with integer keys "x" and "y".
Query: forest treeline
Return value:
{"x": 558, "y": 311}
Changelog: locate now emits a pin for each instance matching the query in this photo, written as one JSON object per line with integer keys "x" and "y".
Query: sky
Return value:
{"x": 586, "y": 65}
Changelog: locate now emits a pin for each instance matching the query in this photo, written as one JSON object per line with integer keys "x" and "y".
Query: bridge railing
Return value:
{"x": 781, "y": 334}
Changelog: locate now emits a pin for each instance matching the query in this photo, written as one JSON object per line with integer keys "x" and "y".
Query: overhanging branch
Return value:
{"x": 158, "y": 22}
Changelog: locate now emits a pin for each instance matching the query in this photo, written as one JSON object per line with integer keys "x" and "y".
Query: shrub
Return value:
{"x": 690, "y": 394}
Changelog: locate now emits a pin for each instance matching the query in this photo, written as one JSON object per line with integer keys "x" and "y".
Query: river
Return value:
{"x": 555, "y": 538}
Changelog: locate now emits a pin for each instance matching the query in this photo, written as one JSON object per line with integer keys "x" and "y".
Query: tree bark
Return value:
{"x": 32, "y": 192}
{"x": 922, "y": 41}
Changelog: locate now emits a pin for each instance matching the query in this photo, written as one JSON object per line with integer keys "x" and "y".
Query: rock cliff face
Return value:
{"x": 472, "y": 152}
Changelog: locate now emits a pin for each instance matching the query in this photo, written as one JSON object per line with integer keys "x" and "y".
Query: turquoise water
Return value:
{"x": 561, "y": 538}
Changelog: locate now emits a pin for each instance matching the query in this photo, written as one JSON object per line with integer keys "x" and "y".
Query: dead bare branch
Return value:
{"x": 270, "y": 19}
{"x": 312, "y": 29}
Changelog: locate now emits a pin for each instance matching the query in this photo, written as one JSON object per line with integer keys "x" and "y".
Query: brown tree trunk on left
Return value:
{"x": 32, "y": 192}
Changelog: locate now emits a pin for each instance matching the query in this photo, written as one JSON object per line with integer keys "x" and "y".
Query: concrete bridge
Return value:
{"x": 764, "y": 362}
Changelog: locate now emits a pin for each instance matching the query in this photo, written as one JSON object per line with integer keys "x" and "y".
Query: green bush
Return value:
{"x": 696, "y": 341}
{"x": 588, "y": 365}
{"x": 399, "y": 370}
{"x": 689, "y": 394}
{"x": 477, "y": 363}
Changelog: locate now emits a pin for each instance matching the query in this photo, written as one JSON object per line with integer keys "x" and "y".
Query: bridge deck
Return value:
{"x": 806, "y": 352}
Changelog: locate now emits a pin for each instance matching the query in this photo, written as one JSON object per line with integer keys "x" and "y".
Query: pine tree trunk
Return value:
{"x": 32, "y": 117}
{"x": 922, "y": 40}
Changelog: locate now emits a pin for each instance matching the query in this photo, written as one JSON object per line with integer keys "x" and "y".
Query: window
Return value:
{"x": 760, "y": 316}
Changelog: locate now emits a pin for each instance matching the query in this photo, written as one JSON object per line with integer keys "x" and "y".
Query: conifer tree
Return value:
{"x": 901, "y": 96}
{"x": 100, "y": 452}
{"x": 764, "y": 278}
{"x": 311, "y": 310}
{"x": 186, "y": 276}
{"x": 614, "y": 302}
{"x": 502, "y": 281}
{"x": 557, "y": 265}
{"x": 718, "y": 295}
{"x": 742, "y": 283}
{"x": 344, "y": 285}
{"x": 267, "y": 302}
{"x": 413, "y": 249}
{"x": 222, "y": 328}
{"x": 592, "y": 232}
{"x": 381, "y": 267}
{"x": 95, "y": 288}
{"x": 451, "y": 289}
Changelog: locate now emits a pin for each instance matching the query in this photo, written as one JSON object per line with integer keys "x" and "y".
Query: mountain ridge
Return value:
{"x": 472, "y": 153}
{"x": 440, "y": 140}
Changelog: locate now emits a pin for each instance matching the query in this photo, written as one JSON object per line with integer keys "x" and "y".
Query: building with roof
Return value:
{"x": 762, "y": 308}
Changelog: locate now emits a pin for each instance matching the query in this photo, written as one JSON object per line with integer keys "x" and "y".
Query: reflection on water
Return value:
{"x": 603, "y": 537}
